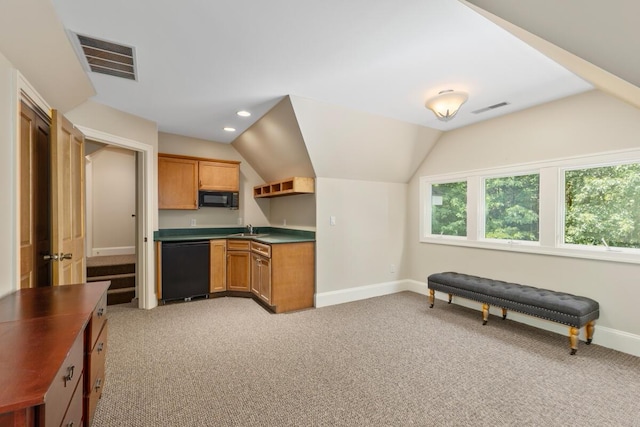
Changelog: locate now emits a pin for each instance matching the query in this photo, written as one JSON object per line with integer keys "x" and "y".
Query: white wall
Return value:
{"x": 367, "y": 238}
{"x": 251, "y": 211}
{"x": 8, "y": 198}
{"x": 113, "y": 201}
{"x": 583, "y": 124}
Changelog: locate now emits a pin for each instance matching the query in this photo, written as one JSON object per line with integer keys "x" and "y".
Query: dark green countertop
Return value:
{"x": 270, "y": 235}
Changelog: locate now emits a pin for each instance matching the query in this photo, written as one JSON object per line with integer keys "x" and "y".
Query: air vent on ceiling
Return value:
{"x": 108, "y": 58}
{"x": 491, "y": 107}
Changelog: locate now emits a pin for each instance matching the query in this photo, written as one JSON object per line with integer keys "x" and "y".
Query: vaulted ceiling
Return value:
{"x": 200, "y": 62}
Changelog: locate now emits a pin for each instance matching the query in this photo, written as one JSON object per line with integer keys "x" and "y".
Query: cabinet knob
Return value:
{"x": 100, "y": 312}
{"x": 100, "y": 347}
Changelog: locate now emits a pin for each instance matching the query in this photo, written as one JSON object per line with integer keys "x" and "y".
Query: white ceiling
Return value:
{"x": 198, "y": 62}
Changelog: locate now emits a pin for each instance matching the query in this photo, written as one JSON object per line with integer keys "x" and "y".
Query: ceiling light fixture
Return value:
{"x": 243, "y": 113}
{"x": 230, "y": 129}
{"x": 446, "y": 104}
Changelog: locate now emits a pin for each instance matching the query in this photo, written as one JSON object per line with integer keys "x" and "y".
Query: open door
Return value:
{"x": 67, "y": 202}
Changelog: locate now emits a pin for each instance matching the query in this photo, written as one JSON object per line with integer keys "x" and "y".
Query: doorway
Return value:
{"x": 111, "y": 183}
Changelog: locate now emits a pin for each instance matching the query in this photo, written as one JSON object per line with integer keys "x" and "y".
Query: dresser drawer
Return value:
{"x": 261, "y": 248}
{"x": 98, "y": 318}
{"x": 64, "y": 384}
{"x": 93, "y": 395}
{"x": 96, "y": 359}
{"x": 73, "y": 417}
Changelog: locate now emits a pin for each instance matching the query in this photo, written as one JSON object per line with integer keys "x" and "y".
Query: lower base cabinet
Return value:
{"x": 238, "y": 265}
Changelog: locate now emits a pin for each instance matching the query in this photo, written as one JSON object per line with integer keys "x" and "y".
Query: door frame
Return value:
{"x": 144, "y": 239}
{"x": 145, "y": 250}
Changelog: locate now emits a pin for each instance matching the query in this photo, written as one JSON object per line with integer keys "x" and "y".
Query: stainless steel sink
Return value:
{"x": 248, "y": 235}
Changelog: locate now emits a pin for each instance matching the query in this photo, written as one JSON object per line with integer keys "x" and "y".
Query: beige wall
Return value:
{"x": 250, "y": 212}
{"x": 583, "y": 124}
{"x": 297, "y": 212}
{"x": 367, "y": 238}
{"x": 8, "y": 219}
{"x": 349, "y": 144}
{"x": 113, "y": 199}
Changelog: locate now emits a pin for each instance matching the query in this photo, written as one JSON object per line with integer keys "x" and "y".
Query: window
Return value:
{"x": 583, "y": 207}
{"x": 449, "y": 208}
{"x": 602, "y": 206}
{"x": 511, "y": 207}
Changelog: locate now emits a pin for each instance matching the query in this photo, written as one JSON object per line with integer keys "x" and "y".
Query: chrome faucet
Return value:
{"x": 250, "y": 229}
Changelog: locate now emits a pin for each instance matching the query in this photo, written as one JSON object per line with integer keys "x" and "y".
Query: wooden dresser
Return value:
{"x": 53, "y": 343}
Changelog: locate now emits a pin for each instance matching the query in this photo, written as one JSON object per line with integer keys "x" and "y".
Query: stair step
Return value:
{"x": 105, "y": 270}
{"x": 121, "y": 290}
{"x": 117, "y": 297}
{"x": 110, "y": 277}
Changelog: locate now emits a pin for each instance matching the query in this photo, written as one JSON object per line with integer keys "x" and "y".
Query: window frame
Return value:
{"x": 428, "y": 220}
{"x": 482, "y": 209}
{"x": 551, "y": 208}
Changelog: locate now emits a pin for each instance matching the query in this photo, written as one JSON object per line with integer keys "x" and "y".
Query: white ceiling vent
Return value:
{"x": 491, "y": 107}
{"x": 107, "y": 57}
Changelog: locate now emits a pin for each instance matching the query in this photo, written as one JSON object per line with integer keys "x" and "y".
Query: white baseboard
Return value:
{"x": 606, "y": 337}
{"x": 119, "y": 250}
{"x": 358, "y": 293}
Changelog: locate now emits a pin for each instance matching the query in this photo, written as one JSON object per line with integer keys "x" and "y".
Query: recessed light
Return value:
{"x": 243, "y": 113}
{"x": 230, "y": 129}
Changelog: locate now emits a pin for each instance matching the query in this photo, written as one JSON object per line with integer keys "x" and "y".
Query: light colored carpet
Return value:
{"x": 387, "y": 361}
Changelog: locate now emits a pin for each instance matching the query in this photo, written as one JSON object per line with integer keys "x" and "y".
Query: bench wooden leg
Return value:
{"x": 591, "y": 326}
{"x": 432, "y": 297}
{"x": 573, "y": 339}
{"x": 485, "y": 313}
{"x": 504, "y": 313}
{"x": 450, "y": 296}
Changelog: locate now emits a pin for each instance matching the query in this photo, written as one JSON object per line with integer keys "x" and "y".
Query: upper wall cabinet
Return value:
{"x": 177, "y": 183}
{"x": 180, "y": 178}
{"x": 219, "y": 175}
{"x": 285, "y": 187}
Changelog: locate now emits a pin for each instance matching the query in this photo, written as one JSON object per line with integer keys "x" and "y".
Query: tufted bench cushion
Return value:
{"x": 572, "y": 310}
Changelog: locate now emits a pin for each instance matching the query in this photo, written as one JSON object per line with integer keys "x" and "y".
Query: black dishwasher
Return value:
{"x": 185, "y": 270}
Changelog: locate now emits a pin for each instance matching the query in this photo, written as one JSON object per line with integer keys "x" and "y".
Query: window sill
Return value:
{"x": 612, "y": 255}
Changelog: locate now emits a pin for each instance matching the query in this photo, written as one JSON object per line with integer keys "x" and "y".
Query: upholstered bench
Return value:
{"x": 571, "y": 310}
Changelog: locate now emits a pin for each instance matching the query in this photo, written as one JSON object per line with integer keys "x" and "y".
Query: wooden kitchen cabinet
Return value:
{"x": 177, "y": 183}
{"x": 219, "y": 175}
{"x": 261, "y": 277}
{"x": 180, "y": 178}
{"x": 238, "y": 265}
{"x": 217, "y": 266}
{"x": 283, "y": 275}
{"x": 285, "y": 187}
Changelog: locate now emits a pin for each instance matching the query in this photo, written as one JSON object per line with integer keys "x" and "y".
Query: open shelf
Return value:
{"x": 285, "y": 187}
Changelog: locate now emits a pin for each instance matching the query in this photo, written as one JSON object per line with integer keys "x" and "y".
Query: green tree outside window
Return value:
{"x": 602, "y": 204}
{"x": 512, "y": 207}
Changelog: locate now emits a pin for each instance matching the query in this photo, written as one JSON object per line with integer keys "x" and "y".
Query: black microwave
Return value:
{"x": 218, "y": 199}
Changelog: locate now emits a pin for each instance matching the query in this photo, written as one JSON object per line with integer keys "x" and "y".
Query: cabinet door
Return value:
{"x": 220, "y": 176}
{"x": 218, "y": 266}
{"x": 238, "y": 270}
{"x": 265, "y": 279}
{"x": 177, "y": 183}
{"x": 255, "y": 274}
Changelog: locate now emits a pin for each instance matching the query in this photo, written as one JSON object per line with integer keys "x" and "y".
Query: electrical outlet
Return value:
{"x": 332, "y": 220}
{"x": 392, "y": 269}
{"x": 239, "y": 220}
{"x": 193, "y": 222}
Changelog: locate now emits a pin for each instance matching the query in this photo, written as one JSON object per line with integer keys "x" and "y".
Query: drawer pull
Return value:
{"x": 69, "y": 375}
{"x": 98, "y": 384}
{"x": 100, "y": 347}
{"x": 100, "y": 311}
